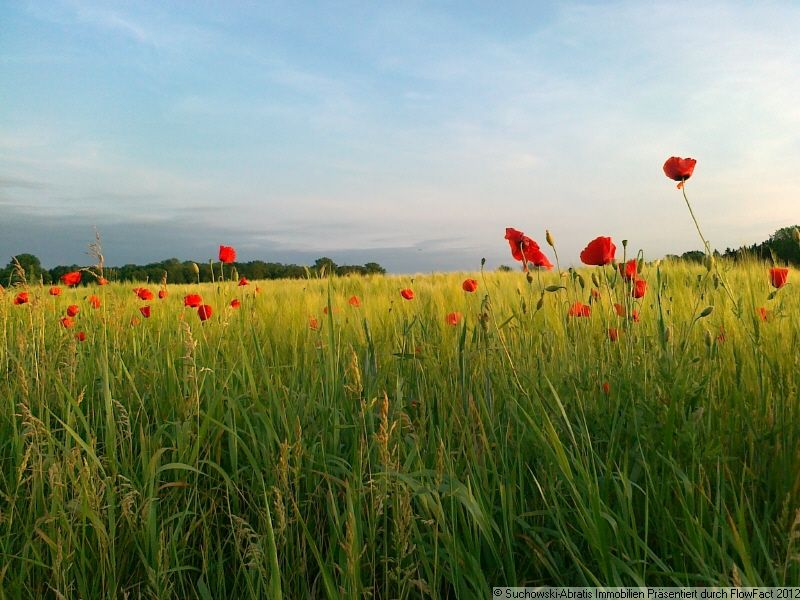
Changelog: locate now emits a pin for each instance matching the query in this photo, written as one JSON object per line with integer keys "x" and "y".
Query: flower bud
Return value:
{"x": 709, "y": 338}
{"x": 706, "y": 311}
{"x": 549, "y": 237}
{"x": 581, "y": 280}
{"x": 540, "y": 303}
{"x": 195, "y": 268}
{"x": 667, "y": 333}
{"x": 709, "y": 262}
{"x": 595, "y": 280}
{"x": 624, "y": 243}
{"x": 529, "y": 277}
{"x": 796, "y": 235}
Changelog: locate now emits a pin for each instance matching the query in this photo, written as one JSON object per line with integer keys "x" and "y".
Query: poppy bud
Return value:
{"x": 709, "y": 262}
{"x": 709, "y": 338}
{"x": 715, "y": 279}
{"x": 706, "y": 311}
{"x": 529, "y": 277}
{"x": 554, "y": 288}
{"x": 581, "y": 280}
{"x": 624, "y": 243}
{"x": 195, "y": 268}
{"x": 595, "y": 280}
{"x": 549, "y": 237}
{"x": 540, "y": 303}
{"x": 483, "y": 262}
{"x": 796, "y": 235}
{"x": 640, "y": 266}
{"x": 668, "y": 334}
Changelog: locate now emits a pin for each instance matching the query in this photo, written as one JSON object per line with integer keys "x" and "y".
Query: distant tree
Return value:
{"x": 324, "y": 266}
{"x": 504, "y": 269}
{"x": 31, "y": 266}
{"x": 374, "y": 268}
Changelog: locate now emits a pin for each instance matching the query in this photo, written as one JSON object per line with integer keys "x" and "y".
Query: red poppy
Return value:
{"x": 55, "y": 291}
{"x": 143, "y": 293}
{"x": 600, "y": 251}
{"x": 540, "y": 260}
{"x": 763, "y": 313}
{"x": 145, "y": 310}
{"x": 71, "y": 278}
{"x": 613, "y": 334}
{"x": 635, "y": 315}
{"x": 135, "y": 321}
{"x": 162, "y": 294}
{"x": 407, "y": 293}
{"x": 778, "y": 276}
{"x": 80, "y": 336}
{"x": 469, "y": 285}
{"x": 679, "y": 169}
{"x": 620, "y": 309}
{"x": 453, "y": 318}
{"x": 580, "y": 310}
{"x": 235, "y": 303}
{"x": 313, "y": 323}
{"x": 606, "y": 388}
{"x": 243, "y": 281}
{"x": 628, "y": 270}
{"x": 204, "y": 312}
{"x": 73, "y": 310}
{"x": 354, "y": 301}
{"x": 258, "y": 290}
{"x": 525, "y": 250}
{"x": 102, "y": 281}
{"x": 192, "y": 300}
{"x": 94, "y": 301}
{"x": 227, "y": 254}
{"x": 721, "y": 335}
{"x": 639, "y": 288}
{"x": 21, "y": 298}
{"x": 67, "y": 322}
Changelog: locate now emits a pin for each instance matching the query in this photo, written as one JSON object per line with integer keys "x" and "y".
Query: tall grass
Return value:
{"x": 388, "y": 454}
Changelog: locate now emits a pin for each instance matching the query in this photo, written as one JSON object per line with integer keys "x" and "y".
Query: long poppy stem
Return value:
{"x": 696, "y": 224}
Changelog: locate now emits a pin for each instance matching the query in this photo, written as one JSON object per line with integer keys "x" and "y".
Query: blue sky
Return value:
{"x": 407, "y": 133}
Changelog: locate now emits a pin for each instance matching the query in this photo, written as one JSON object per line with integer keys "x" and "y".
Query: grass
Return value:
{"x": 388, "y": 454}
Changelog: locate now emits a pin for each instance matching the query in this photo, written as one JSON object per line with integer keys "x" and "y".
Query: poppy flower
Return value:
{"x": 639, "y": 288}
{"x": 606, "y": 388}
{"x": 580, "y": 310}
{"x": 524, "y": 249}
{"x": 613, "y": 334}
{"x": 620, "y": 309}
{"x": 162, "y": 294}
{"x": 143, "y": 293}
{"x": 763, "y": 313}
{"x": 778, "y": 276}
{"x": 80, "y": 336}
{"x": 628, "y": 270}
{"x": 258, "y": 290}
{"x": 67, "y": 322}
{"x": 102, "y": 281}
{"x": 94, "y": 301}
{"x": 145, "y": 310}
{"x": 679, "y": 169}
{"x": 313, "y": 323}
{"x": 192, "y": 300}
{"x": 71, "y": 278}
{"x": 227, "y": 254}
{"x": 469, "y": 285}
{"x": 135, "y": 321}
{"x": 235, "y": 303}
{"x": 243, "y": 281}
{"x": 634, "y": 316}
{"x": 453, "y": 318}
{"x": 73, "y": 310}
{"x": 721, "y": 335}
{"x": 600, "y": 251}
{"x": 407, "y": 293}
{"x": 55, "y": 291}
{"x": 204, "y": 312}
{"x": 540, "y": 260}
{"x": 354, "y": 301}
{"x": 21, "y": 298}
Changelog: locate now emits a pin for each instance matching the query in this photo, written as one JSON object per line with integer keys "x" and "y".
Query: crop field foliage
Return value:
{"x": 380, "y": 451}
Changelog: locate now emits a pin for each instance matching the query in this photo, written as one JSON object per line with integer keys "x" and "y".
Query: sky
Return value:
{"x": 407, "y": 133}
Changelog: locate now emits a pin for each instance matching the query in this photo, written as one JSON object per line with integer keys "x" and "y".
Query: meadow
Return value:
{"x": 329, "y": 438}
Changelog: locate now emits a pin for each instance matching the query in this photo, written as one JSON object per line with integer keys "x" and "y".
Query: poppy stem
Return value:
{"x": 706, "y": 245}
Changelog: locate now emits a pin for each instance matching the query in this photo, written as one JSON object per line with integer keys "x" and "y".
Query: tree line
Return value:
{"x": 782, "y": 247}
{"x": 177, "y": 271}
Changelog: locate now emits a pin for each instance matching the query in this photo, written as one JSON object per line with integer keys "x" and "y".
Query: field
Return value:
{"x": 301, "y": 446}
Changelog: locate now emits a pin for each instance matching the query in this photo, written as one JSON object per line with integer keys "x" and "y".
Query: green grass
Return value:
{"x": 389, "y": 454}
